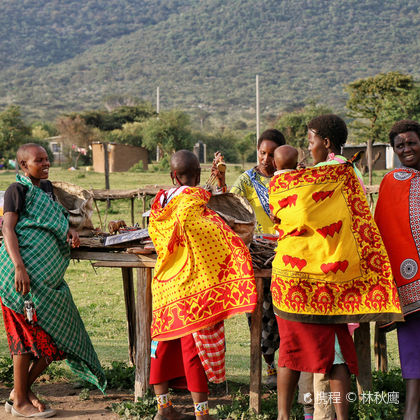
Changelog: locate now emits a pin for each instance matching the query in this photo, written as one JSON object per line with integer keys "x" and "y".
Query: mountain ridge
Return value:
{"x": 206, "y": 54}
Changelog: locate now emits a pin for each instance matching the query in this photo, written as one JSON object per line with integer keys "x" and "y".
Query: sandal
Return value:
{"x": 8, "y": 405}
{"x": 40, "y": 414}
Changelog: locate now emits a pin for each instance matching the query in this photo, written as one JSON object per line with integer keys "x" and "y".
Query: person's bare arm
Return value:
{"x": 22, "y": 281}
{"x": 218, "y": 170}
{"x": 73, "y": 238}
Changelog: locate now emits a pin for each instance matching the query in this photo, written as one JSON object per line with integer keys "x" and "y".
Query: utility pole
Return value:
{"x": 157, "y": 112}
{"x": 257, "y": 92}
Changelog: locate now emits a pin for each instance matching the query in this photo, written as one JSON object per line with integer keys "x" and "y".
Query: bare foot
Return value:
{"x": 32, "y": 398}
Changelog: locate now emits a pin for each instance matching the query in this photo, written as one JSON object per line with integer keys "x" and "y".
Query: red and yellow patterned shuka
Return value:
{"x": 203, "y": 273}
{"x": 331, "y": 265}
{"x": 398, "y": 217}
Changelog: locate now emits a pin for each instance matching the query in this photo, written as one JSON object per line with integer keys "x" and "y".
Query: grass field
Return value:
{"x": 99, "y": 295}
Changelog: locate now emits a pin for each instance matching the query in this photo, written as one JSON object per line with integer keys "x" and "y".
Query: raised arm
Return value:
{"x": 218, "y": 170}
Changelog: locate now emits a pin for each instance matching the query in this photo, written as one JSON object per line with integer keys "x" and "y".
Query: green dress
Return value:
{"x": 42, "y": 235}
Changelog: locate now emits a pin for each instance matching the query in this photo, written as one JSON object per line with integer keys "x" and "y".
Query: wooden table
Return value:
{"x": 138, "y": 311}
{"x": 139, "y": 317}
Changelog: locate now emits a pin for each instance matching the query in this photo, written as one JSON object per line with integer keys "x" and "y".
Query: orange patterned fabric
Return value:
{"x": 203, "y": 273}
{"x": 398, "y": 217}
{"x": 330, "y": 265}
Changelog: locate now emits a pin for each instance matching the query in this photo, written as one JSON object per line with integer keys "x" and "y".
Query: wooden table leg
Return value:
{"x": 362, "y": 343}
{"x": 256, "y": 328}
{"x": 381, "y": 356}
{"x": 130, "y": 310}
{"x": 143, "y": 322}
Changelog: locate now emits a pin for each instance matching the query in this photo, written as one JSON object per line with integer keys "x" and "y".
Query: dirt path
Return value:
{"x": 64, "y": 398}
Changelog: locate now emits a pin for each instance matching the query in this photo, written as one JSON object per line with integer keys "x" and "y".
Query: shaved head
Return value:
{"x": 285, "y": 157}
{"x": 185, "y": 167}
{"x": 25, "y": 150}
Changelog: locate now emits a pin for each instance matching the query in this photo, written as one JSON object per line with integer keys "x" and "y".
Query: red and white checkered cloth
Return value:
{"x": 210, "y": 344}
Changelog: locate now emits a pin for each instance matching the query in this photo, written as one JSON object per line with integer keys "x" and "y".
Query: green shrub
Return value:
{"x": 375, "y": 404}
{"x": 6, "y": 371}
{"x": 84, "y": 394}
{"x": 137, "y": 167}
{"x": 145, "y": 408}
{"x": 120, "y": 376}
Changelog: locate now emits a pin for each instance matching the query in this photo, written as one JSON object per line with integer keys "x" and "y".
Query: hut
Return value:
{"x": 383, "y": 155}
{"x": 121, "y": 157}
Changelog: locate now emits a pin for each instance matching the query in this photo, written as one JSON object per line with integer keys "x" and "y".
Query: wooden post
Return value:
{"x": 130, "y": 309}
{"x": 143, "y": 200}
{"x": 380, "y": 347}
{"x": 362, "y": 343}
{"x": 255, "y": 368}
{"x": 106, "y": 169}
{"x": 143, "y": 322}
{"x": 132, "y": 211}
{"x": 369, "y": 156}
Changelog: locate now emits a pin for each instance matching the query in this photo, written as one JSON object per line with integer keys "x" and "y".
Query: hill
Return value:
{"x": 203, "y": 55}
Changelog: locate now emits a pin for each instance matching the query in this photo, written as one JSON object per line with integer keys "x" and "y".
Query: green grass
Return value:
{"x": 99, "y": 294}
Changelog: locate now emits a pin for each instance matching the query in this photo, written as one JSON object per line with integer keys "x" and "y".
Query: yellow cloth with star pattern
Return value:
{"x": 203, "y": 273}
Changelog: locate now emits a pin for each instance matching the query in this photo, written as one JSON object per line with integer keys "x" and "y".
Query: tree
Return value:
{"x": 130, "y": 133}
{"x": 39, "y": 133}
{"x": 13, "y": 132}
{"x": 202, "y": 116}
{"x": 245, "y": 147}
{"x": 43, "y": 129}
{"x": 115, "y": 101}
{"x": 77, "y": 136}
{"x": 219, "y": 140}
{"x": 376, "y": 102}
{"x": 293, "y": 124}
{"x": 170, "y": 132}
{"x": 115, "y": 119}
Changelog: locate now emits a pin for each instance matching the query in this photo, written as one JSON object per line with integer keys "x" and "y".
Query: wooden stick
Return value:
{"x": 256, "y": 327}
{"x": 99, "y": 215}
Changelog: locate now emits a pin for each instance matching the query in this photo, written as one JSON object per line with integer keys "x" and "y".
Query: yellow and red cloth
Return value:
{"x": 203, "y": 273}
{"x": 330, "y": 265}
{"x": 398, "y": 217}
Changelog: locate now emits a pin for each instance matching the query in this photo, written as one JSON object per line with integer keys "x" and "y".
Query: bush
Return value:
{"x": 120, "y": 376}
{"x": 145, "y": 408}
{"x": 137, "y": 167}
{"x": 375, "y": 405}
{"x": 6, "y": 371}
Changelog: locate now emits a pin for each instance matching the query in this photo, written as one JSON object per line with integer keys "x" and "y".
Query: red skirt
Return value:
{"x": 310, "y": 347}
{"x": 24, "y": 338}
{"x": 177, "y": 361}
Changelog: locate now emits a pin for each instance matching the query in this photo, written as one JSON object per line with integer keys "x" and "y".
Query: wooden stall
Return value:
{"x": 138, "y": 193}
{"x": 139, "y": 269}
